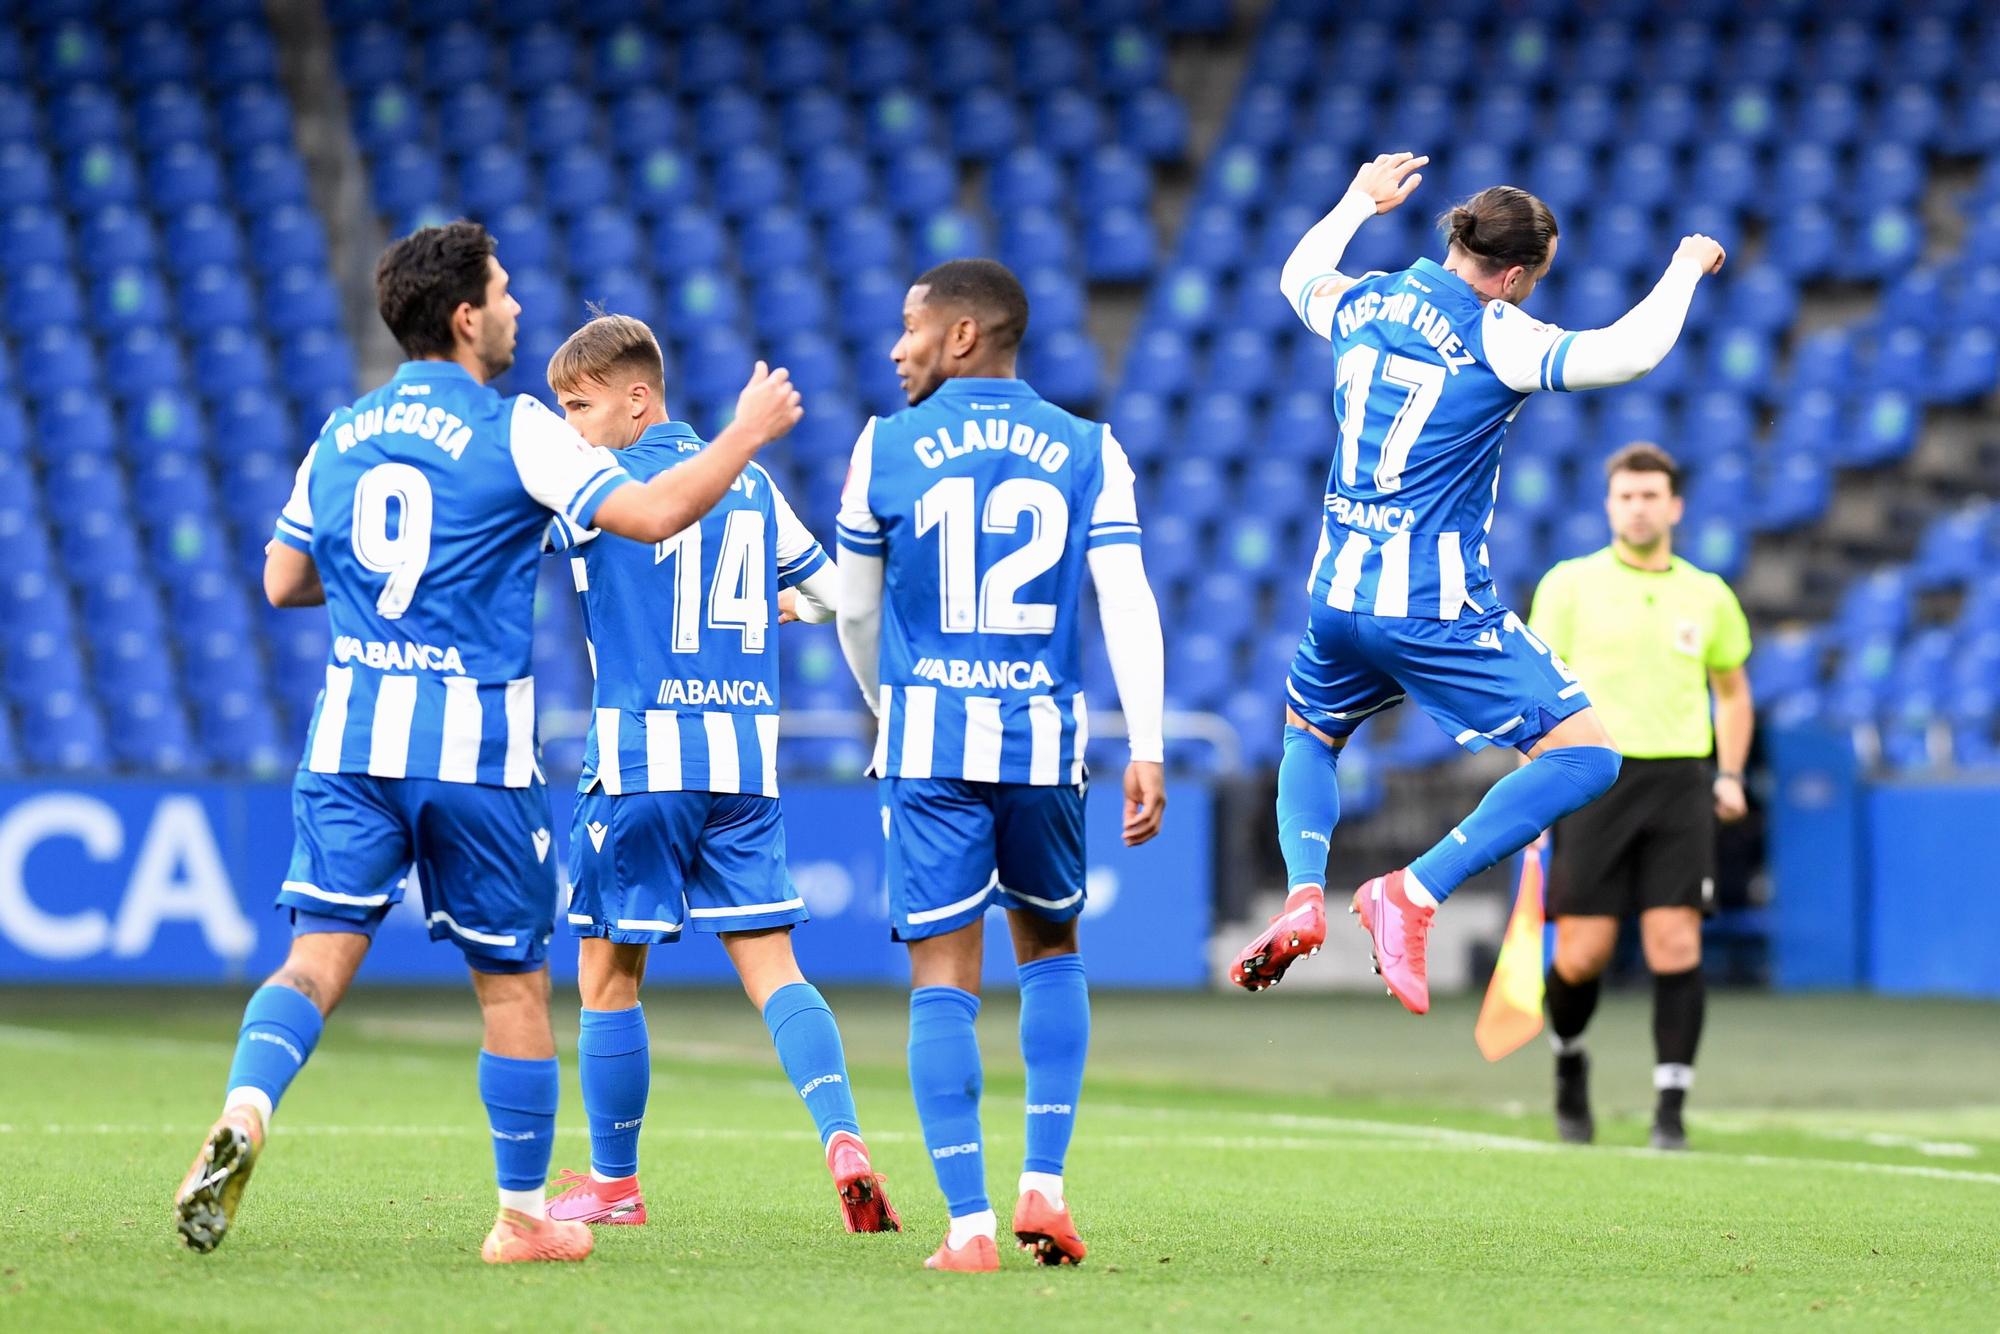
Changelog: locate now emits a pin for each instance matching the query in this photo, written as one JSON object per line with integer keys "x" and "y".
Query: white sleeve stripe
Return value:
{"x": 590, "y": 489}
{"x": 1113, "y": 527}
{"x": 295, "y": 529}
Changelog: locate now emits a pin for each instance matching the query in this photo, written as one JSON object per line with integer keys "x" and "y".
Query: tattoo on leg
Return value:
{"x": 300, "y": 982}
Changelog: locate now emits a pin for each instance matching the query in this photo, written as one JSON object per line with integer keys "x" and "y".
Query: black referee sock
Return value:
{"x": 1679, "y": 1001}
{"x": 1570, "y": 1006}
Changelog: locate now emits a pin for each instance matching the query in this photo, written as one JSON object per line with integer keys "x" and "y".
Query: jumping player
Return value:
{"x": 1434, "y": 361}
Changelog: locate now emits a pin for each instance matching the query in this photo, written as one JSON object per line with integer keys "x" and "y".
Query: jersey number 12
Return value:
{"x": 986, "y": 604}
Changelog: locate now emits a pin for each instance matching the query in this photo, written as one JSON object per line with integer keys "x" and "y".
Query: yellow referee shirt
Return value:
{"x": 1643, "y": 643}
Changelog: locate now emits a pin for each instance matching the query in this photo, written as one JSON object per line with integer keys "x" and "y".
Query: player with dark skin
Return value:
{"x": 939, "y": 343}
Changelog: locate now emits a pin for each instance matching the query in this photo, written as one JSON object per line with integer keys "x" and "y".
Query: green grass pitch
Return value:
{"x": 1288, "y": 1161}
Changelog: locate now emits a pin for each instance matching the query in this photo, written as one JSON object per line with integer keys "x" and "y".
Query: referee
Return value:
{"x": 1653, "y": 636}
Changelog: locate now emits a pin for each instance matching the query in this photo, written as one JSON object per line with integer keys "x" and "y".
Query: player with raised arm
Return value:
{"x": 417, "y": 518}
{"x": 965, "y": 526}
{"x": 678, "y": 822}
{"x": 1433, "y": 362}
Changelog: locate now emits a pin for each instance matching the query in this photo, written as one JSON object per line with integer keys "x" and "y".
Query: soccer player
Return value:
{"x": 417, "y": 518}
{"x": 1656, "y": 637}
{"x": 975, "y": 512}
{"x": 1434, "y": 361}
{"x": 678, "y": 821}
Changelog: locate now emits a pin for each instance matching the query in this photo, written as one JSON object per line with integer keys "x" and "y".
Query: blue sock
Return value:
{"x": 1308, "y": 806}
{"x": 946, "y": 1082}
{"x": 520, "y": 1098}
{"x": 615, "y": 1066}
{"x": 1515, "y": 811}
{"x": 280, "y": 1029}
{"x": 1055, "y": 1035}
{"x": 808, "y": 1043}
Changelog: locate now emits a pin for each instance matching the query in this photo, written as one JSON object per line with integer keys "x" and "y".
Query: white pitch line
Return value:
{"x": 1345, "y": 1134}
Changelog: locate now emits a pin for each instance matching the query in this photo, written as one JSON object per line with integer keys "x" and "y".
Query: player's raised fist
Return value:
{"x": 769, "y": 404}
{"x": 1389, "y": 179}
{"x": 1705, "y": 251}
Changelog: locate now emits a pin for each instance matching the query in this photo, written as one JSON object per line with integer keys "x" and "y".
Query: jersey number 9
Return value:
{"x": 398, "y": 492}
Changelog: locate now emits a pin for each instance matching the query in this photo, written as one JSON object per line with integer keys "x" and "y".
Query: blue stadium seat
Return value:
{"x": 229, "y": 358}
{"x": 1065, "y": 367}
{"x": 183, "y": 175}
{"x": 62, "y": 731}
{"x": 1911, "y": 114}
{"x": 1118, "y": 245}
{"x": 200, "y": 235}
{"x": 1055, "y": 298}
{"x": 162, "y": 421}
{"x": 1823, "y": 359}
{"x": 1968, "y": 364}
{"x": 1036, "y": 238}
{"x": 100, "y": 174}
{"x": 946, "y": 234}
{"x": 643, "y": 119}
{"x": 317, "y": 359}
{"x": 1068, "y": 123}
{"x": 1159, "y": 362}
{"x": 240, "y": 53}
{"x": 408, "y": 176}
{"x": 1666, "y": 114}
{"x": 871, "y": 305}
{"x": 214, "y": 297}
{"x": 63, "y": 359}
{"x": 576, "y": 179}
{"x": 1027, "y": 178}
{"x": 84, "y": 115}
{"x": 919, "y": 182}
{"x": 1891, "y": 240}
{"x": 602, "y": 236}
{"x": 1217, "y": 424}
{"x": 42, "y": 297}
{"x": 1113, "y": 177}
{"x": 787, "y": 299}
{"x": 687, "y": 239}
{"x": 1154, "y": 124}
{"x": 714, "y": 363}
{"x": 115, "y": 236}
{"x": 538, "y": 55}
{"x": 470, "y": 119}
{"x": 834, "y": 179}
{"x": 31, "y": 235}
{"x": 750, "y": 179}
{"x": 1139, "y": 420}
{"x": 1878, "y": 427}
{"x": 983, "y": 124}
{"x": 778, "y": 237}
{"x": 1244, "y": 360}
{"x": 25, "y": 176}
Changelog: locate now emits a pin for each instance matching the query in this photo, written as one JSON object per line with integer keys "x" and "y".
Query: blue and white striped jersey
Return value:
{"x": 423, "y": 507}
{"x": 681, "y": 634}
{"x": 981, "y": 502}
{"x": 1426, "y": 380}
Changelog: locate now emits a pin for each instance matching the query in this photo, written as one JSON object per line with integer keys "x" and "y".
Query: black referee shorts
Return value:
{"x": 1647, "y": 843}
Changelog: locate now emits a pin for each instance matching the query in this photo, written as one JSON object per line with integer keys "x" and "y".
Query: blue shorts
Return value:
{"x": 1485, "y": 678}
{"x": 482, "y": 857}
{"x": 956, "y": 848}
{"x": 644, "y": 865}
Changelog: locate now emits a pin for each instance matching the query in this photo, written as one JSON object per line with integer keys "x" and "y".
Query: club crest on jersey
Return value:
{"x": 990, "y": 674}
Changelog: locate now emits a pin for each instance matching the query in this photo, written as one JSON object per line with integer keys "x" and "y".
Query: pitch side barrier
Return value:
{"x": 1884, "y": 883}
{"x": 173, "y": 882}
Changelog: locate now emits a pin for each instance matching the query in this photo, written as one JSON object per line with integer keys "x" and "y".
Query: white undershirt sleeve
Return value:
{"x": 1312, "y": 280}
{"x": 862, "y": 545}
{"x": 818, "y": 594}
{"x": 1528, "y": 355}
{"x": 1131, "y": 619}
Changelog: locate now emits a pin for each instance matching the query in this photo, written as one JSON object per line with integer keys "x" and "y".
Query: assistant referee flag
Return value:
{"x": 1645, "y": 641}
